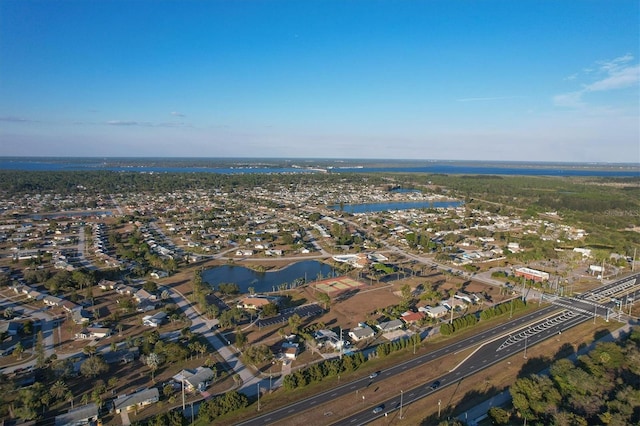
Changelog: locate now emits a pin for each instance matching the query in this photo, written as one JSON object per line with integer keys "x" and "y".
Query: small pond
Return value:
{"x": 290, "y": 276}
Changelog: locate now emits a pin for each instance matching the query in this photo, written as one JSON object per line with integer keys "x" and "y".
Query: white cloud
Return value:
{"x": 177, "y": 114}
{"x": 617, "y": 79}
{"x": 614, "y": 74}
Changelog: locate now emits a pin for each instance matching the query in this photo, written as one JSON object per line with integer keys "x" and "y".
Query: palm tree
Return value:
{"x": 89, "y": 350}
{"x": 59, "y": 389}
{"x": 153, "y": 361}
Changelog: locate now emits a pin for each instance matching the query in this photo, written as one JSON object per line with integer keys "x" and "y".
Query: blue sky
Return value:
{"x": 518, "y": 80}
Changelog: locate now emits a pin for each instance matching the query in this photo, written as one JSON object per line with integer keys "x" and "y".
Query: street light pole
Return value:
{"x": 400, "y": 403}
{"x": 525, "y": 346}
{"x": 258, "y": 396}
{"x": 439, "y": 402}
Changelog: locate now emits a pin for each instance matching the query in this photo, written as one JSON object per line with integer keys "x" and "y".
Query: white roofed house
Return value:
{"x": 434, "y": 312}
{"x": 290, "y": 350}
{"x": 395, "y": 324}
{"x": 83, "y": 415}
{"x": 143, "y": 294}
{"x": 154, "y": 320}
{"x": 138, "y": 399}
{"x": 197, "y": 380}
{"x": 360, "y": 333}
{"x": 52, "y": 300}
{"x": 455, "y": 304}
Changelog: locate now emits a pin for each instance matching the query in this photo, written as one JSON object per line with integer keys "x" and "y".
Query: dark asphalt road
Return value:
{"x": 498, "y": 344}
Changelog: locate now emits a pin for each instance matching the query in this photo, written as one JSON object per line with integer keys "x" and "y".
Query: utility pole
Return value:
{"x": 525, "y": 346}
{"x": 401, "y": 404}
{"x": 183, "y": 407}
{"x": 258, "y": 396}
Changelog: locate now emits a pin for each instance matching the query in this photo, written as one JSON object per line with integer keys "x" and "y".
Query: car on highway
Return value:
{"x": 377, "y": 410}
{"x": 435, "y": 385}
{"x": 373, "y": 375}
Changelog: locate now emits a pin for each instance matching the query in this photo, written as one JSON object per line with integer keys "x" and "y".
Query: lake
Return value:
{"x": 292, "y": 275}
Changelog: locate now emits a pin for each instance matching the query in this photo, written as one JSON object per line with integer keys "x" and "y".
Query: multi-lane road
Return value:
{"x": 492, "y": 346}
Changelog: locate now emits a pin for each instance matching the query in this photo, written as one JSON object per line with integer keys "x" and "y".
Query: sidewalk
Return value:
{"x": 479, "y": 412}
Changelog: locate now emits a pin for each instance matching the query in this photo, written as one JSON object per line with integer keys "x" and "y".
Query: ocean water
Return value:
{"x": 236, "y": 166}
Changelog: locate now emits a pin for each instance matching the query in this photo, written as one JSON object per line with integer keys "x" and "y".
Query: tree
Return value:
{"x": 324, "y": 299}
{"x": 89, "y": 350}
{"x": 534, "y": 395}
{"x": 93, "y": 367}
{"x": 294, "y": 322}
{"x": 150, "y": 286}
{"x": 59, "y": 390}
{"x": 153, "y": 361}
{"x": 499, "y": 416}
{"x": 39, "y": 350}
{"x": 18, "y": 350}
{"x": 241, "y": 339}
{"x": 269, "y": 310}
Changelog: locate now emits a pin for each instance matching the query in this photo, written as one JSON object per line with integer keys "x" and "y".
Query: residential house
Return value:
{"x": 121, "y": 356}
{"x": 35, "y": 295}
{"x": 390, "y": 325}
{"x": 455, "y": 304}
{"x": 108, "y": 285}
{"x": 469, "y": 298}
{"x": 68, "y": 305}
{"x": 83, "y": 334}
{"x": 290, "y": 350}
{"x": 143, "y": 294}
{"x": 138, "y": 399}
{"x": 198, "y": 380}
{"x": 84, "y": 415}
{"x": 361, "y": 332}
{"x": 125, "y": 289}
{"x": 154, "y": 320}
{"x": 52, "y": 300}
{"x": 147, "y": 305}
{"x": 156, "y": 275}
{"x": 434, "y": 312}
{"x": 412, "y": 317}
{"x": 80, "y": 316}
{"x": 99, "y": 332}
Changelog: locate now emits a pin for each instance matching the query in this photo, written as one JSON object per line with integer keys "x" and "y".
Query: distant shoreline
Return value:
{"x": 311, "y": 165}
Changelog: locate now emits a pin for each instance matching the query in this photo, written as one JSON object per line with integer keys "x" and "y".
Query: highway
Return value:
{"x": 351, "y": 387}
{"x": 495, "y": 345}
